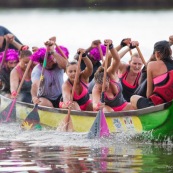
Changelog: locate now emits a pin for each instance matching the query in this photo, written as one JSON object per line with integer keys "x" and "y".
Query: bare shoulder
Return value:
{"x": 123, "y": 67}
{"x": 66, "y": 86}
{"x": 155, "y": 64}
{"x": 156, "y": 68}
{"x": 13, "y": 72}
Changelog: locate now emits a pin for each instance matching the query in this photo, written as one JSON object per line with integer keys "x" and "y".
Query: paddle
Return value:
{"x": 33, "y": 120}
{"x": 60, "y": 50}
{"x": 4, "y": 55}
{"x": 100, "y": 127}
{"x": 141, "y": 56}
{"x": 100, "y": 51}
{"x": 9, "y": 113}
{"x": 66, "y": 125}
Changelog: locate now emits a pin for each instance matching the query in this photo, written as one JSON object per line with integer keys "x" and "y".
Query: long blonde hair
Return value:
{"x": 98, "y": 76}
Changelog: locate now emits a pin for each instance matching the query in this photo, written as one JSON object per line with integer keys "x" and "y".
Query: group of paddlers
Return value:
{"x": 96, "y": 77}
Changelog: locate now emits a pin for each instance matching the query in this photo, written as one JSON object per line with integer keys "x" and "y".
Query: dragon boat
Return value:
{"x": 155, "y": 122}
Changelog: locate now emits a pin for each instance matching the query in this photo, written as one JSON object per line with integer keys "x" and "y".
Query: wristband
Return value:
{"x": 132, "y": 47}
{"x": 122, "y": 43}
{"x": 84, "y": 55}
{"x": 14, "y": 93}
{"x": 24, "y": 47}
{"x": 111, "y": 46}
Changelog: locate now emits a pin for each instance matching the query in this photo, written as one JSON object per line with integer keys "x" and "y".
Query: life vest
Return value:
{"x": 164, "y": 93}
{"x": 128, "y": 89}
{"x": 83, "y": 97}
{"x": 118, "y": 99}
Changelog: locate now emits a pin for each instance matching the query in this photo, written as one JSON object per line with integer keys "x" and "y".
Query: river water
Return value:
{"x": 51, "y": 151}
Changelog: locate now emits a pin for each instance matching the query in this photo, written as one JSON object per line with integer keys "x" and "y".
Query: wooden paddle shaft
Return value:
{"x": 105, "y": 69}
{"x": 100, "y": 51}
{"x": 43, "y": 69}
{"x": 77, "y": 75}
{"x": 60, "y": 50}
{"x": 68, "y": 118}
{"x": 141, "y": 56}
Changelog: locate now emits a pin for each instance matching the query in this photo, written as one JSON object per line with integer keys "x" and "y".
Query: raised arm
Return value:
{"x": 86, "y": 73}
{"x": 93, "y": 45}
{"x": 10, "y": 38}
{"x": 149, "y": 79}
{"x": 96, "y": 93}
{"x": 61, "y": 61}
{"x": 1, "y": 40}
{"x": 66, "y": 94}
{"x": 121, "y": 54}
{"x": 112, "y": 69}
{"x": 171, "y": 40}
{"x": 131, "y": 45}
{"x": 35, "y": 77}
{"x": 124, "y": 42}
{"x": 14, "y": 82}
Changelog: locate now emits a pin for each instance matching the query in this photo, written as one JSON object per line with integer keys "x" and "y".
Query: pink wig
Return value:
{"x": 11, "y": 55}
{"x": 39, "y": 54}
{"x": 95, "y": 54}
{"x": 64, "y": 49}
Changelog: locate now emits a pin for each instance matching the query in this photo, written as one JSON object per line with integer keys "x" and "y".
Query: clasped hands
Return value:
{"x": 128, "y": 42}
{"x": 99, "y": 106}
{"x": 68, "y": 104}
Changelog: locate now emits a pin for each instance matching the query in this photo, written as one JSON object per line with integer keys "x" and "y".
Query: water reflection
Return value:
{"x": 51, "y": 151}
{"x": 17, "y": 156}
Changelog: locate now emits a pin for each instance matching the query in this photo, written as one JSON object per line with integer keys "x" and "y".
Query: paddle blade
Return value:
{"x": 9, "y": 113}
{"x": 104, "y": 130}
{"x": 32, "y": 121}
{"x": 99, "y": 127}
{"x": 66, "y": 125}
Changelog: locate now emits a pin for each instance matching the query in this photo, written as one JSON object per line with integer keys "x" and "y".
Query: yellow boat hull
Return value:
{"x": 157, "y": 119}
{"x": 52, "y": 117}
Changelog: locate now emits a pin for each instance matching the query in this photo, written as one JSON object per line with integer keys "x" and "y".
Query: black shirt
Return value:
{"x": 4, "y": 31}
{"x": 95, "y": 67}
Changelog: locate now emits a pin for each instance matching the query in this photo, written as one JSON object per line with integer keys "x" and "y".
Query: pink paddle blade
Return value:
{"x": 99, "y": 127}
{"x": 104, "y": 130}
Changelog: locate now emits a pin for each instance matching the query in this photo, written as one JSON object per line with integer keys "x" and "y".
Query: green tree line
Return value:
{"x": 87, "y": 3}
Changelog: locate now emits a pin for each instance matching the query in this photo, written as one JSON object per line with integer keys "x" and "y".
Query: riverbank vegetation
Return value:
{"x": 87, "y": 4}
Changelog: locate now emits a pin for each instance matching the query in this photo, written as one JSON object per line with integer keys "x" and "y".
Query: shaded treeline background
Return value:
{"x": 87, "y": 3}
